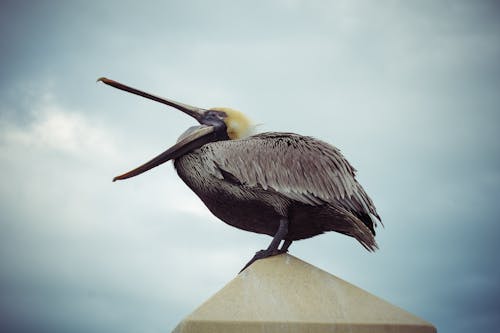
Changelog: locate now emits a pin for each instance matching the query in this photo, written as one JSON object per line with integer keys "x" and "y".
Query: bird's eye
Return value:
{"x": 216, "y": 114}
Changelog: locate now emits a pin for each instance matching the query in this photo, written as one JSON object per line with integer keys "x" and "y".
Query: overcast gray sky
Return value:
{"x": 409, "y": 91}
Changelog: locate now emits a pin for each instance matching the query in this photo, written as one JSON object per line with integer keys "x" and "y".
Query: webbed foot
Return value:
{"x": 261, "y": 255}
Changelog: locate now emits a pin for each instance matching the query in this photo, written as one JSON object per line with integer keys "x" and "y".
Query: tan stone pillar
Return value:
{"x": 286, "y": 294}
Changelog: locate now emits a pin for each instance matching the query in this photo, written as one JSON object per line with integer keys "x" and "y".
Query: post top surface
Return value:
{"x": 284, "y": 290}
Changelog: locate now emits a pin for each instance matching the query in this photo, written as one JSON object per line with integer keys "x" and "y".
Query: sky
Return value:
{"x": 409, "y": 91}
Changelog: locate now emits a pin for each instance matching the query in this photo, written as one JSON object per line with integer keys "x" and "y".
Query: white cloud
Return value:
{"x": 55, "y": 128}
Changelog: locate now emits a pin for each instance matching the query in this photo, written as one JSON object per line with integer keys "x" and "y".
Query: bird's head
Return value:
{"x": 216, "y": 124}
{"x": 238, "y": 125}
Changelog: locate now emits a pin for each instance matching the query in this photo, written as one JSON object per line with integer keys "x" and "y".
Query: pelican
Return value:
{"x": 284, "y": 185}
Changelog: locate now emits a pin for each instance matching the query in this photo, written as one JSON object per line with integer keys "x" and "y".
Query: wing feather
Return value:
{"x": 299, "y": 167}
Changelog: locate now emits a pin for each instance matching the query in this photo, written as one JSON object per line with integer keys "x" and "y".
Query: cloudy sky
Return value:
{"x": 410, "y": 92}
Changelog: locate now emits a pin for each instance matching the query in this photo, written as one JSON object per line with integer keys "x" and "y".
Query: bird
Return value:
{"x": 285, "y": 185}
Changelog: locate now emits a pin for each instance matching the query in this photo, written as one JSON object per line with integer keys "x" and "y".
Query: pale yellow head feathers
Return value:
{"x": 238, "y": 125}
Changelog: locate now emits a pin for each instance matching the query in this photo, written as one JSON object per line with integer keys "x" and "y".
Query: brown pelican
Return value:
{"x": 284, "y": 185}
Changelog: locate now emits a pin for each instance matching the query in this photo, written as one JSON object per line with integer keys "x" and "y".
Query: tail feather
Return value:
{"x": 357, "y": 228}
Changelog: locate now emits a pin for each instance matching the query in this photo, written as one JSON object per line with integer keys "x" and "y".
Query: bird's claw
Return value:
{"x": 261, "y": 255}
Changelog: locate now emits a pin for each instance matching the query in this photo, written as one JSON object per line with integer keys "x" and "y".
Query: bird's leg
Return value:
{"x": 272, "y": 249}
{"x": 285, "y": 246}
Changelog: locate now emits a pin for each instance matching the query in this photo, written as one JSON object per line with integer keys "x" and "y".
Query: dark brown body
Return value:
{"x": 252, "y": 183}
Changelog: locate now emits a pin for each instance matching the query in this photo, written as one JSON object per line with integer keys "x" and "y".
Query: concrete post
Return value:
{"x": 286, "y": 294}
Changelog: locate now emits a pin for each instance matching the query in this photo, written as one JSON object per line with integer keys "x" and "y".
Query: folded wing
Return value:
{"x": 299, "y": 167}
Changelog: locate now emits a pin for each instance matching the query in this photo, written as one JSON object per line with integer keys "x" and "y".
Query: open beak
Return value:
{"x": 193, "y": 111}
{"x": 196, "y": 138}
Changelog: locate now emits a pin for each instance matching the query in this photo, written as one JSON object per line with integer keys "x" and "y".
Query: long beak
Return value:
{"x": 195, "y": 139}
{"x": 193, "y": 111}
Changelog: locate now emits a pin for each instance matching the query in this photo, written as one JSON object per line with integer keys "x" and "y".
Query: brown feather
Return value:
{"x": 285, "y": 171}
